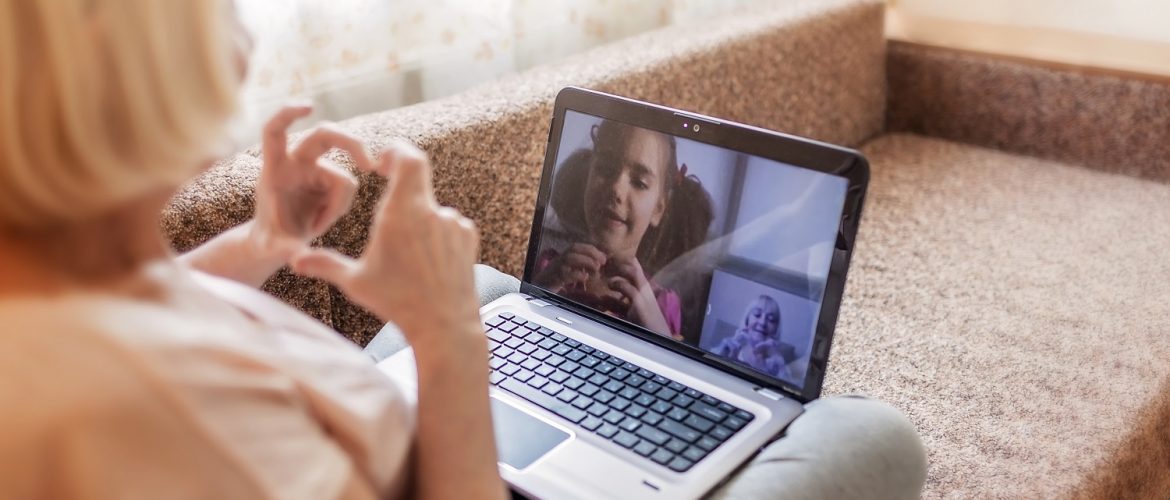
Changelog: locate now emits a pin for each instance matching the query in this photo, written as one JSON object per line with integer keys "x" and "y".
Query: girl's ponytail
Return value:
{"x": 684, "y": 225}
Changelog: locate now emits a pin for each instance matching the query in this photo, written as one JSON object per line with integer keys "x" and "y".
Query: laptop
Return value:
{"x": 681, "y": 288}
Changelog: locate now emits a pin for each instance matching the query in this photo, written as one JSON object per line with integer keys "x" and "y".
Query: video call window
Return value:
{"x": 721, "y": 250}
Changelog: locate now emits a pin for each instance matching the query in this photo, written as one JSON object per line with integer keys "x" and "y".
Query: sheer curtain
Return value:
{"x": 358, "y": 56}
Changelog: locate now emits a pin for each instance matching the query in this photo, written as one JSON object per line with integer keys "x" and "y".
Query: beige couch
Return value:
{"x": 1000, "y": 291}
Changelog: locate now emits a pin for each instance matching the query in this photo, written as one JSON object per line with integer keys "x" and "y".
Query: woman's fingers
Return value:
{"x": 275, "y": 140}
{"x": 409, "y": 176}
{"x": 340, "y": 189}
{"x": 326, "y": 137}
{"x": 327, "y": 264}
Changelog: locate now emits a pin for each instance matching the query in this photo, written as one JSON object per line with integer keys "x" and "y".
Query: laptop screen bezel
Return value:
{"x": 804, "y": 153}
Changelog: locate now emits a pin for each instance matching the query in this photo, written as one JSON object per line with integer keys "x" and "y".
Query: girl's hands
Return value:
{"x": 417, "y": 267}
{"x": 576, "y": 265}
{"x": 300, "y": 195}
{"x": 629, "y": 280}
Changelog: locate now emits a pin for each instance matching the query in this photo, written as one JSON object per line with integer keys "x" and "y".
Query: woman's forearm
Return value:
{"x": 455, "y": 451}
{"x": 236, "y": 254}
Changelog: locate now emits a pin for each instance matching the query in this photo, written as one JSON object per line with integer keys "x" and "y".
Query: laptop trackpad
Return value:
{"x": 520, "y": 437}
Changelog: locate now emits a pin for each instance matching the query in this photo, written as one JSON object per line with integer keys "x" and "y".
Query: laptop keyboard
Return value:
{"x": 655, "y": 417}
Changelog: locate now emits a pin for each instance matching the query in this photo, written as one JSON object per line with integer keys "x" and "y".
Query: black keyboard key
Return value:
{"x": 530, "y": 364}
{"x": 607, "y": 430}
{"x": 682, "y": 401}
{"x": 653, "y": 435}
{"x": 544, "y": 400}
{"x": 503, "y": 351}
{"x": 629, "y": 393}
{"x": 661, "y": 406}
{"x": 509, "y": 369}
{"x": 544, "y": 370}
{"x": 720, "y": 433}
{"x": 586, "y": 349}
{"x": 551, "y": 389}
{"x": 561, "y": 350}
{"x": 517, "y": 357}
{"x": 680, "y": 464}
{"x": 601, "y": 355}
{"x": 615, "y": 386}
{"x": 707, "y": 411}
{"x": 588, "y": 389}
{"x": 662, "y": 457}
{"x": 508, "y": 327}
{"x": 572, "y": 343}
{"x": 496, "y": 363}
{"x": 630, "y": 367}
{"x": 619, "y": 404}
{"x": 496, "y": 321}
{"x": 634, "y": 381}
{"x": 643, "y": 399}
{"x": 538, "y": 382}
{"x": 548, "y": 344}
{"x": 698, "y": 423}
{"x": 651, "y": 418}
{"x": 707, "y": 443}
{"x": 559, "y": 377}
{"x": 544, "y": 331}
{"x": 726, "y": 408}
{"x": 555, "y": 360}
{"x": 660, "y": 380}
{"x": 676, "y": 445}
{"x": 531, "y": 325}
{"x": 678, "y": 430}
{"x": 534, "y": 337}
{"x": 626, "y": 439}
{"x": 694, "y": 454}
{"x": 498, "y": 336}
{"x": 583, "y": 403}
{"x": 592, "y": 423}
{"x": 710, "y": 400}
{"x": 614, "y": 417}
{"x": 540, "y": 354}
{"x": 635, "y": 411}
{"x": 604, "y": 367}
{"x": 603, "y": 396}
{"x": 666, "y": 394}
{"x": 619, "y": 374}
{"x": 507, "y": 315}
{"x": 598, "y": 409}
{"x": 651, "y": 387}
{"x": 583, "y": 373}
{"x": 630, "y": 424}
{"x": 574, "y": 355}
{"x": 598, "y": 379}
{"x": 569, "y": 366}
{"x": 677, "y": 386}
{"x": 678, "y": 414}
{"x": 693, "y": 393}
{"x": 567, "y": 395}
{"x": 645, "y": 449}
{"x": 743, "y": 415}
{"x": 646, "y": 373}
{"x": 558, "y": 337}
{"x": 590, "y": 361}
{"x": 734, "y": 423}
{"x": 496, "y": 377}
{"x": 573, "y": 383}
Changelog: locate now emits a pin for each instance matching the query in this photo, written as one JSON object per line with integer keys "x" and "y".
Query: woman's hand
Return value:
{"x": 300, "y": 195}
{"x": 417, "y": 267}
{"x": 629, "y": 280}
{"x": 575, "y": 265}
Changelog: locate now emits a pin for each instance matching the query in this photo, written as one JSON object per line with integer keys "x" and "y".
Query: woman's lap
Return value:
{"x": 841, "y": 447}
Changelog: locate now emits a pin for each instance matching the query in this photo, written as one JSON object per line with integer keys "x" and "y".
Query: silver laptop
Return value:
{"x": 681, "y": 288}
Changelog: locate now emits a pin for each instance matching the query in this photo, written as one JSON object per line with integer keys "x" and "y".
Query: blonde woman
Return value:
{"x": 128, "y": 372}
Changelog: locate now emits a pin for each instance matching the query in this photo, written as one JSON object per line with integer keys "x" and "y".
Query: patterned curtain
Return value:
{"x": 359, "y": 56}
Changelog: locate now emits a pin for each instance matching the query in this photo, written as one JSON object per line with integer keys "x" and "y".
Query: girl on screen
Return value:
{"x": 631, "y": 210}
{"x": 757, "y": 341}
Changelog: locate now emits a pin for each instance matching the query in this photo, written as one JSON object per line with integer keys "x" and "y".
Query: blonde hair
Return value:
{"x": 102, "y": 101}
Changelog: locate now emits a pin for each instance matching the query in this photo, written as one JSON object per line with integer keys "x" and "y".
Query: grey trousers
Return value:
{"x": 843, "y": 447}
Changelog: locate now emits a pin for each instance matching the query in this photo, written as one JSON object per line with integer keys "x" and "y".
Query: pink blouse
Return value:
{"x": 206, "y": 389}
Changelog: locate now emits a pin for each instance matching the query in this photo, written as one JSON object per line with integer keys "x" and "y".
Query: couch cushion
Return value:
{"x": 1004, "y": 303}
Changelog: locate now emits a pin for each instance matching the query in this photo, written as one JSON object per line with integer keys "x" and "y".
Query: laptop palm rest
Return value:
{"x": 521, "y": 438}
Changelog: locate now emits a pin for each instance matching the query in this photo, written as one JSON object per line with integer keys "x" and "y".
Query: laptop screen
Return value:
{"x": 722, "y": 250}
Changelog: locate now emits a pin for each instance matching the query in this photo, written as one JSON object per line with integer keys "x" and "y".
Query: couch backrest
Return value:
{"x": 809, "y": 67}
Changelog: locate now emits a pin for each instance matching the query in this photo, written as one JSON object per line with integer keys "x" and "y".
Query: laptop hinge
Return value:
{"x": 769, "y": 393}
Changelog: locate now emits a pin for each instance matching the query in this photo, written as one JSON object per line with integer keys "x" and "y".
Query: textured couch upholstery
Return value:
{"x": 1000, "y": 293}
